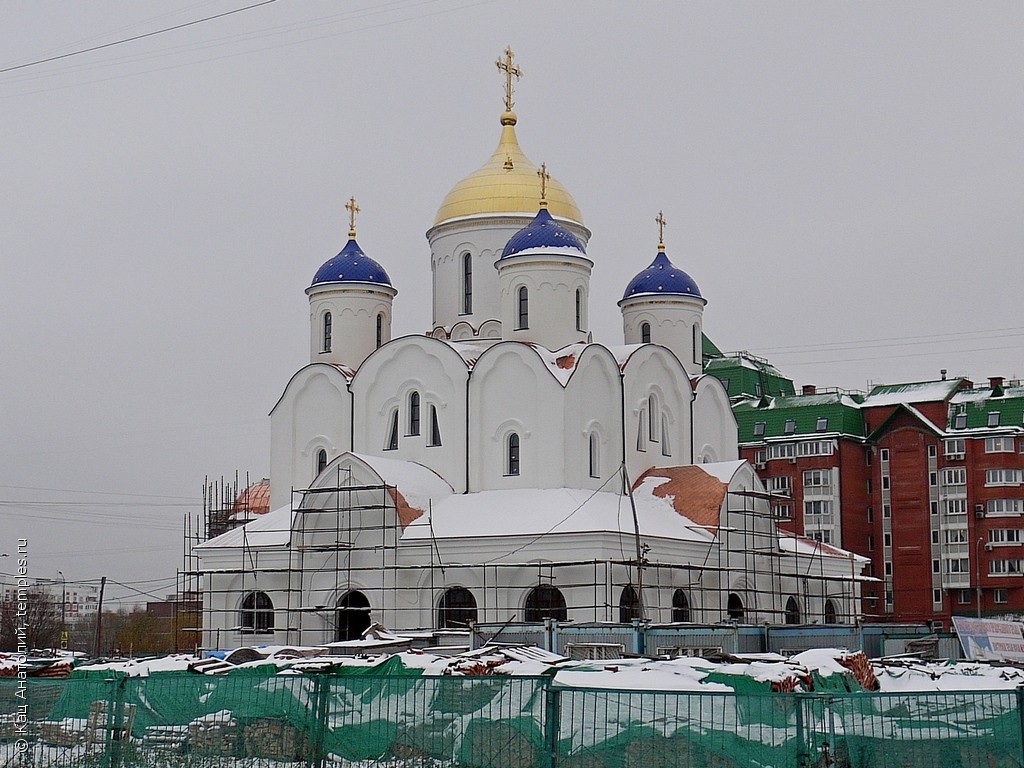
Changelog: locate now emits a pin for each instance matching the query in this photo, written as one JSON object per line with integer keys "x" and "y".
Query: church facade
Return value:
{"x": 504, "y": 465}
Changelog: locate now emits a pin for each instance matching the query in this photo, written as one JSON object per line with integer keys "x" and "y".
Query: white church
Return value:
{"x": 505, "y": 466}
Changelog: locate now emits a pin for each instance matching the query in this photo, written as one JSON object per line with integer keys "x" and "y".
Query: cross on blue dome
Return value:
{"x": 662, "y": 277}
{"x": 542, "y": 232}
{"x": 351, "y": 266}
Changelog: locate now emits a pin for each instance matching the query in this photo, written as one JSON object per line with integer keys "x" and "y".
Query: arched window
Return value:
{"x": 523, "y": 319}
{"x": 652, "y": 418}
{"x": 435, "y": 428}
{"x": 257, "y": 613}
{"x": 321, "y": 461}
{"x": 352, "y": 616}
{"x": 595, "y": 457}
{"x": 792, "y": 611}
{"x": 645, "y": 333}
{"x": 457, "y": 609}
{"x": 830, "y": 613}
{"x": 680, "y": 606}
{"x": 391, "y": 444}
{"x": 512, "y": 464}
{"x": 579, "y": 309}
{"x": 467, "y": 284}
{"x": 641, "y": 436}
{"x": 735, "y": 607}
{"x": 629, "y": 605}
{"x": 545, "y": 602}
{"x": 327, "y": 331}
{"x": 414, "y": 413}
{"x": 666, "y": 447}
{"x": 380, "y": 330}
{"x": 697, "y": 346}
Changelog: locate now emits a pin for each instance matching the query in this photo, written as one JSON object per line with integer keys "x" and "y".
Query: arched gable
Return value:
{"x": 714, "y": 425}
{"x": 593, "y": 406}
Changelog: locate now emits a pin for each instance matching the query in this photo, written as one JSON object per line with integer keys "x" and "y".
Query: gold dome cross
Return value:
{"x": 510, "y": 71}
{"x": 660, "y": 218}
{"x": 544, "y": 176}
{"x": 352, "y": 209}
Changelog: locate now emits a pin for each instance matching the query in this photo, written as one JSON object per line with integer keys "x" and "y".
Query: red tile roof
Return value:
{"x": 693, "y": 492}
{"x": 255, "y": 499}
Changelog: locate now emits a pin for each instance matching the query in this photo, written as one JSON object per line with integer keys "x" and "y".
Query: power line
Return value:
{"x": 136, "y": 37}
{"x": 98, "y": 493}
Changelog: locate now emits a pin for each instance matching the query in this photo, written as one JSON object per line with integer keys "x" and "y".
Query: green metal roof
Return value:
{"x": 745, "y": 375}
{"x": 977, "y": 404}
{"x": 841, "y": 410}
{"x": 708, "y": 348}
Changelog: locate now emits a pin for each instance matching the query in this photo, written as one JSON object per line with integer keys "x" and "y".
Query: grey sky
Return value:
{"x": 830, "y": 172}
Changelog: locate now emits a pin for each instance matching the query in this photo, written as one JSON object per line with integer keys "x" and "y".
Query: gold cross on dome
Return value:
{"x": 660, "y": 218}
{"x": 352, "y": 209}
{"x": 544, "y": 176}
{"x": 510, "y": 71}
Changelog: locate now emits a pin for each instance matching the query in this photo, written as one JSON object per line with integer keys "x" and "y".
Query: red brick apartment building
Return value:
{"x": 924, "y": 479}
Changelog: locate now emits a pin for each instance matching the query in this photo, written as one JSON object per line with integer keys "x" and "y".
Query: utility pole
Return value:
{"x": 977, "y": 571}
{"x": 63, "y": 611}
{"x": 99, "y": 617}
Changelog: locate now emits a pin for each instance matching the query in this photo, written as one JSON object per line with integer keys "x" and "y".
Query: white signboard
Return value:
{"x": 990, "y": 639}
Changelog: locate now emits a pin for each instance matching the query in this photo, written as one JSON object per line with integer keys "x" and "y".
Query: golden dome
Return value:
{"x": 507, "y": 183}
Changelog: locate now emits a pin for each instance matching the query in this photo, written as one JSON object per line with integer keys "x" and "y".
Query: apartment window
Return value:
{"x": 954, "y": 476}
{"x": 887, "y": 539}
{"x": 821, "y": 425}
{"x": 964, "y": 597}
{"x": 512, "y": 458}
{"x": 1004, "y": 536}
{"x": 870, "y": 486}
{"x": 936, "y": 566}
{"x": 645, "y": 337}
{"x": 819, "y": 507}
{"x": 759, "y": 429}
{"x": 816, "y": 448}
{"x": 993, "y": 418}
{"x": 790, "y": 427}
{"x": 998, "y": 507}
{"x": 1004, "y": 567}
{"x": 937, "y": 596}
{"x": 1000, "y": 596}
{"x": 888, "y": 568}
{"x": 328, "y": 323}
{"x": 933, "y": 507}
{"x": 780, "y": 484}
{"x": 999, "y": 445}
{"x": 933, "y": 451}
{"x": 886, "y": 510}
{"x": 523, "y": 318}
{"x": 935, "y": 537}
{"x": 759, "y": 457}
{"x": 954, "y": 448}
{"x": 885, "y": 482}
{"x": 825, "y": 537}
{"x": 435, "y": 428}
{"x": 414, "y": 413}
{"x": 884, "y": 454}
{"x": 960, "y": 421}
{"x": 955, "y": 506}
{"x": 958, "y": 565}
{"x": 467, "y": 284}
{"x": 781, "y": 451}
{"x": 1003, "y": 477}
{"x": 784, "y": 511}
{"x": 871, "y": 514}
{"x": 818, "y": 479}
{"x": 871, "y": 543}
{"x": 956, "y": 536}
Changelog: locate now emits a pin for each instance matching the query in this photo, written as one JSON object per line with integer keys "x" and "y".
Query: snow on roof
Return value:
{"x": 531, "y": 511}
{"x": 801, "y": 546}
{"x": 692, "y": 492}
{"x": 270, "y": 530}
{"x": 984, "y": 393}
{"x": 918, "y": 392}
{"x": 418, "y": 485}
{"x": 561, "y": 363}
{"x": 469, "y": 351}
{"x": 622, "y": 353}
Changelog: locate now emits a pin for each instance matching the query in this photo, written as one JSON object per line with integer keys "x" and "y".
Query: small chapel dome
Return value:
{"x": 662, "y": 277}
{"x": 351, "y": 266}
{"x": 542, "y": 233}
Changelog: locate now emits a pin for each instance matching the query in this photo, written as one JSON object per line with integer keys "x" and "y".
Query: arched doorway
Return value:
{"x": 735, "y": 607}
{"x": 545, "y": 602}
{"x": 352, "y": 616}
{"x": 457, "y": 609}
{"x": 629, "y": 605}
{"x": 792, "y": 611}
{"x": 680, "y": 606}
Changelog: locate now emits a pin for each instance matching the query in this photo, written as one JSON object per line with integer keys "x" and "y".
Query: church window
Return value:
{"x": 457, "y": 609}
{"x": 512, "y": 467}
{"x": 545, "y": 602}
{"x": 523, "y": 319}
{"x": 435, "y": 428}
{"x": 380, "y": 330}
{"x": 327, "y": 332}
{"x": 697, "y": 351}
{"x": 680, "y": 606}
{"x": 467, "y": 284}
{"x": 652, "y": 418}
{"x": 792, "y": 611}
{"x": 414, "y": 413}
{"x": 830, "y": 612}
{"x": 735, "y": 607}
{"x": 352, "y": 616}
{"x": 579, "y": 309}
{"x": 629, "y": 605}
{"x": 392, "y": 443}
{"x": 666, "y": 448}
{"x": 645, "y": 333}
{"x": 641, "y": 435}
{"x": 257, "y": 613}
{"x": 595, "y": 458}
{"x": 321, "y": 461}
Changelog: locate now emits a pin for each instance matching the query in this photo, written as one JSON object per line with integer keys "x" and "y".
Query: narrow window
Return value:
{"x": 830, "y": 612}
{"x": 629, "y": 605}
{"x": 641, "y": 439}
{"x": 758, "y": 429}
{"x": 392, "y": 443}
{"x": 792, "y": 611}
{"x": 579, "y": 309}
{"x": 467, "y": 284}
{"x": 380, "y": 330}
{"x": 327, "y": 332}
{"x": 680, "y": 606}
{"x": 645, "y": 333}
{"x": 414, "y": 413}
{"x": 524, "y": 309}
{"x": 696, "y": 344}
{"x": 595, "y": 467}
{"x": 435, "y": 428}
{"x": 513, "y": 454}
{"x": 321, "y": 461}
{"x": 734, "y": 607}
{"x": 652, "y": 419}
{"x": 666, "y": 448}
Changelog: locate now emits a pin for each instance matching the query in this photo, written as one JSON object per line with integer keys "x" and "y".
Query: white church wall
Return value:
{"x": 384, "y": 385}
{"x": 354, "y": 309}
{"x": 313, "y": 413}
{"x": 551, "y": 283}
{"x": 511, "y": 391}
{"x": 714, "y": 424}
{"x": 675, "y": 323}
{"x": 593, "y": 406}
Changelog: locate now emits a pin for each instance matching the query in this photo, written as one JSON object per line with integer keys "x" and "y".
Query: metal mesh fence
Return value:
{"x": 405, "y": 720}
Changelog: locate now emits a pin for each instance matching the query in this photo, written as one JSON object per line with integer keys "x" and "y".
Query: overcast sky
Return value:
{"x": 844, "y": 181}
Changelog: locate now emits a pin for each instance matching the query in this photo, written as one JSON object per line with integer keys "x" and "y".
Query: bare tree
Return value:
{"x": 39, "y": 621}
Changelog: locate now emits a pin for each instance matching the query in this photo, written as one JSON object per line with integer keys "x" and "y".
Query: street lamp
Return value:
{"x": 977, "y": 571}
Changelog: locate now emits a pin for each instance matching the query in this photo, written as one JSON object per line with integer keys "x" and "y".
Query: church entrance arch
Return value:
{"x": 352, "y": 616}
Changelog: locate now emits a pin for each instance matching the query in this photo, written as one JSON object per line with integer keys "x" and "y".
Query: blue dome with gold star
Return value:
{"x": 542, "y": 232}
{"x": 351, "y": 266}
{"x": 662, "y": 277}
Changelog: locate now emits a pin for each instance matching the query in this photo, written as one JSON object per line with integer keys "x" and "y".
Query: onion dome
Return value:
{"x": 507, "y": 183}
{"x": 543, "y": 233}
{"x": 662, "y": 277}
{"x": 351, "y": 266}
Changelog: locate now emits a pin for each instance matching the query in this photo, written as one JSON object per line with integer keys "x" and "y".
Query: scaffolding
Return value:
{"x": 339, "y": 562}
